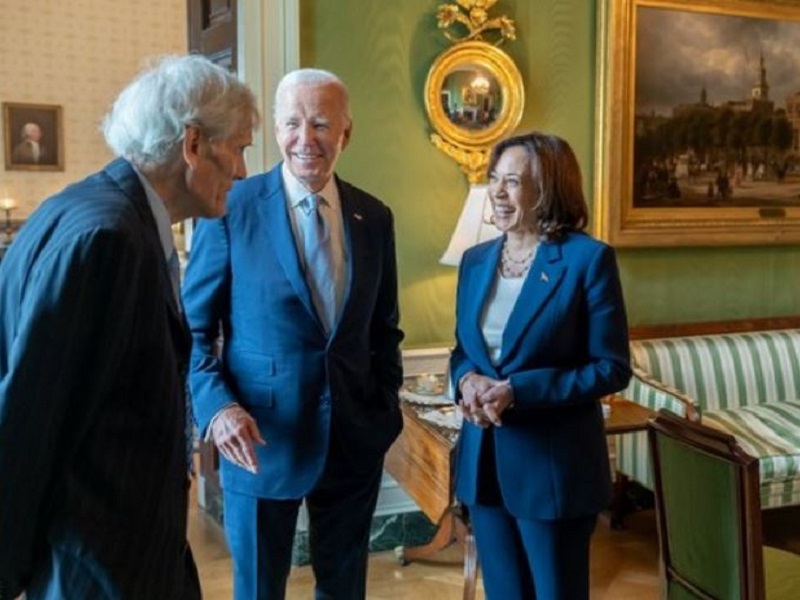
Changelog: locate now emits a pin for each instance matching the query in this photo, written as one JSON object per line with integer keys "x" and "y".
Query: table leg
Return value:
{"x": 470, "y": 561}
{"x": 445, "y": 536}
{"x": 618, "y": 500}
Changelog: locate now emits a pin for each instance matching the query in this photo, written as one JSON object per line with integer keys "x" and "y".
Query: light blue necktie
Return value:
{"x": 318, "y": 254}
{"x": 174, "y": 267}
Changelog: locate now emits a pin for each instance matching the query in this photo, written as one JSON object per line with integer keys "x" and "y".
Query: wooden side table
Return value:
{"x": 625, "y": 417}
{"x": 421, "y": 461}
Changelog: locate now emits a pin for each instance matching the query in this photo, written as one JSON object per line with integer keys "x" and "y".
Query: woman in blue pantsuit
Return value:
{"x": 541, "y": 337}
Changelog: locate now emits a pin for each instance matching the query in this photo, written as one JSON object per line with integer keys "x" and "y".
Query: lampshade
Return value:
{"x": 7, "y": 203}
{"x": 473, "y": 225}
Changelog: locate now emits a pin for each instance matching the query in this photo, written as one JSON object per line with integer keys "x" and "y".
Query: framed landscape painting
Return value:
{"x": 698, "y": 139}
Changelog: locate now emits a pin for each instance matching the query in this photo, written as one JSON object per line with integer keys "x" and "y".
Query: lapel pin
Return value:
{"x": 358, "y": 216}
{"x": 544, "y": 277}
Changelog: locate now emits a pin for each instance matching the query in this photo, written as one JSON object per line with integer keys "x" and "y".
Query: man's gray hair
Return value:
{"x": 148, "y": 120}
{"x": 310, "y": 77}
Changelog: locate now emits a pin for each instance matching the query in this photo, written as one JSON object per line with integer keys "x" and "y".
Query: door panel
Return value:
{"x": 212, "y": 32}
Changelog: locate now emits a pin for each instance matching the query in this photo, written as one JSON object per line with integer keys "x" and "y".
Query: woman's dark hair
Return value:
{"x": 561, "y": 206}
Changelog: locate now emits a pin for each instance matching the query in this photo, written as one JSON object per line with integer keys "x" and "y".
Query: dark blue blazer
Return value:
{"x": 306, "y": 390}
{"x": 93, "y": 478}
{"x": 564, "y": 347}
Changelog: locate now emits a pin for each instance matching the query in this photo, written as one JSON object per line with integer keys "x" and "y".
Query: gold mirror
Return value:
{"x": 474, "y": 94}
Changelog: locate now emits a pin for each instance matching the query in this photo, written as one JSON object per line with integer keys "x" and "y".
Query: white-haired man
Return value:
{"x": 94, "y": 349}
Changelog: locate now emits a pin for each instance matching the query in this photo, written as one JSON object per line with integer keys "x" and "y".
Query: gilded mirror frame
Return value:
{"x": 482, "y": 55}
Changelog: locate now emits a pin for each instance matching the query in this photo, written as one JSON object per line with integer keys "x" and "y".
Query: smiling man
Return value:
{"x": 302, "y": 403}
{"x": 94, "y": 349}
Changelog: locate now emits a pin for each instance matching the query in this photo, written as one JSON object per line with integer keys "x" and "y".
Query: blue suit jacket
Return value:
{"x": 93, "y": 479}
{"x": 564, "y": 347}
{"x": 306, "y": 390}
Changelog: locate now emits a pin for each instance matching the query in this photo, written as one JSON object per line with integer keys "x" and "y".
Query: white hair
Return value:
{"x": 26, "y": 130}
{"x": 310, "y": 77}
{"x": 148, "y": 120}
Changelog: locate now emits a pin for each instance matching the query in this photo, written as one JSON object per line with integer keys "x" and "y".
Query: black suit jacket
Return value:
{"x": 93, "y": 475}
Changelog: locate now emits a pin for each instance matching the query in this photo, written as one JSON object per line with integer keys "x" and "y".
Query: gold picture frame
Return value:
{"x": 34, "y": 137}
{"x": 684, "y": 157}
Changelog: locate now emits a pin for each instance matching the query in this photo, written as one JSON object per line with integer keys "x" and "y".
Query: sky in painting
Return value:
{"x": 679, "y": 52}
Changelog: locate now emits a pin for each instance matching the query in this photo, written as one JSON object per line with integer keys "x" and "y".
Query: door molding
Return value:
{"x": 268, "y": 48}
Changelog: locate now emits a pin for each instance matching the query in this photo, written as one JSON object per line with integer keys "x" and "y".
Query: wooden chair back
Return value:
{"x": 708, "y": 511}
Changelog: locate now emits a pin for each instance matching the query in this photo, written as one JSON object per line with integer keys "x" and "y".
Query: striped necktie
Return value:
{"x": 174, "y": 267}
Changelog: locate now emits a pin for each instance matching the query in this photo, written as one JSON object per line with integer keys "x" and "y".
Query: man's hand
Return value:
{"x": 234, "y": 433}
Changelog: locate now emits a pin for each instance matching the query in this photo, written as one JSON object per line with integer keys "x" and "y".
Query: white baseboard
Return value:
{"x": 426, "y": 360}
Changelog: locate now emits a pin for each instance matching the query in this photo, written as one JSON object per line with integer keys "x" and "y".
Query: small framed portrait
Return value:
{"x": 34, "y": 139}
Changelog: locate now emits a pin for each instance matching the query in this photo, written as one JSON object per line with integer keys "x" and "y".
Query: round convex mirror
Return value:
{"x": 471, "y": 97}
{"x": 474, "y": 94}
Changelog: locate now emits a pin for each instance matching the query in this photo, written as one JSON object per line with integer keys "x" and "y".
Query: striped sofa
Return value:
{"x": 747, "y": 384}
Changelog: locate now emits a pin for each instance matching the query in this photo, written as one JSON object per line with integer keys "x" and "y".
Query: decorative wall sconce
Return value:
{"x": 474, "y": 97}
{"x": 7, "y": 205}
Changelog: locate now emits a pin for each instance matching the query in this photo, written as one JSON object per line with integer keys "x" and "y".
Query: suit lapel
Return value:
{"x": 278, "y": 229}
{"x": 481, "y": 276}
{"x": 356, "y": 248}
{"x": 542, "y": 280}
{"x": 121, "y": 171}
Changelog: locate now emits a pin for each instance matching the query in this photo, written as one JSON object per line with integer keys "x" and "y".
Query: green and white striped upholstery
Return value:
{"x": 633, "y": 455}
{"x": 726, "y": 371}
{"x": 747, "y": 384}
{"x": 770, "y": 432}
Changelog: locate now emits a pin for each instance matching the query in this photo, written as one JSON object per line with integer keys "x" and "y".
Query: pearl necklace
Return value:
{"x": 511, "y": 266}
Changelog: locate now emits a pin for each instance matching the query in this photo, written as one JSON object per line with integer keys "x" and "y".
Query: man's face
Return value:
{"x": 33, "y": 132}
{"x": 312, "y": 129}
{"x": 219, "y": 164}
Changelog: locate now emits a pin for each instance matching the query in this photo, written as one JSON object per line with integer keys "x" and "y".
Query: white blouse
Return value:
{"x": 502, "y": 298}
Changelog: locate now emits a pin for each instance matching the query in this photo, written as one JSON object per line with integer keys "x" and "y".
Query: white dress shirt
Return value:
{"x": 160, "y": 214}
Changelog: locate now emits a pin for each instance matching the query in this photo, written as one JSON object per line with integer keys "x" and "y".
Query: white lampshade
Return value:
{"x": 473, "y": 225}
{"x": 8, "y": 203}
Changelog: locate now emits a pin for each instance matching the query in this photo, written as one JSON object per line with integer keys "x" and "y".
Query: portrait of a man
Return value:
{"x": 32, "y": 135}
{"x": 30, "y": 150}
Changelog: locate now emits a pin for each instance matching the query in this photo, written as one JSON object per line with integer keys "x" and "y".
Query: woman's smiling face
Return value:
{"x": 512, "y": 191}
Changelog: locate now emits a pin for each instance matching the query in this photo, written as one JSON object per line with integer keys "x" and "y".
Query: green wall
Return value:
{"x": 383, "y": 49}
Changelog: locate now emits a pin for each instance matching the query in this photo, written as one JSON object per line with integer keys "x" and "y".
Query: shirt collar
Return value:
{"x": 296, "y": 192}
{"x": 160, "y": 215}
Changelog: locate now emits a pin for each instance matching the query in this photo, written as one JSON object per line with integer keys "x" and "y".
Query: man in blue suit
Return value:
{"x": 94, "y": 349}
{"x": 300, "y": 278}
